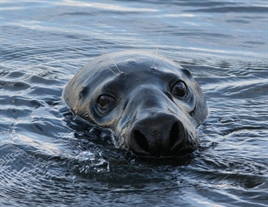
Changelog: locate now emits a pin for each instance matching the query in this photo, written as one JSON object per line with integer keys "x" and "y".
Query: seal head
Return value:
{"x": 153, "y": 105}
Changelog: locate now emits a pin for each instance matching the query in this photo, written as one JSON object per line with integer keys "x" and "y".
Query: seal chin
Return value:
{"x": 152, "y": 137}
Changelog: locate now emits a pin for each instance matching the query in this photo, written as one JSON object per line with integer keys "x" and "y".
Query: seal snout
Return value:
{"x": 162, "y": 135}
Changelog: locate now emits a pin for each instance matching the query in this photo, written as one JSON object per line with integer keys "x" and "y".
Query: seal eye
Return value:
{"x": 179, "y": 89}
{"x": 105, "y": 102}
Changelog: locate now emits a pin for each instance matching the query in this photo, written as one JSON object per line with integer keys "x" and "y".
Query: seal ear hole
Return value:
{"x": 187, "y": 73}
{"x": 83, "y": 92}
{"x": 141, "y": 140}
{"x": 179, "y": 89}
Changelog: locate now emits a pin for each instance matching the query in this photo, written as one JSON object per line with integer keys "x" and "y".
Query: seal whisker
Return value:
{"x": 156, "y": 49}
{"x": 162, "y": 60}
{"x": 111, "y": 71}
{"x": 109, "y": 57}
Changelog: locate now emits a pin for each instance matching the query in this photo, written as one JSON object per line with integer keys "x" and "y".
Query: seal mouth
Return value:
{"x": 164, "y": 160}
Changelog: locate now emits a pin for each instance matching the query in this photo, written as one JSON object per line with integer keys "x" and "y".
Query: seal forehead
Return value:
{"x": 127, "y": 71}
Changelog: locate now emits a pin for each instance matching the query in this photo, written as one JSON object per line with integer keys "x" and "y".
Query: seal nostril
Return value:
{"x": 141, "y": 140}
{"x": 174, "y": 133}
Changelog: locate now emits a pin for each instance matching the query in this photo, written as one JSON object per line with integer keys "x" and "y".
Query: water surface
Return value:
{"x": 49, "y": 158}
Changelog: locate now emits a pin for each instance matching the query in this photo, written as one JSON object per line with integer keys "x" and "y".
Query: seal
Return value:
{"x": 153, "y": 106}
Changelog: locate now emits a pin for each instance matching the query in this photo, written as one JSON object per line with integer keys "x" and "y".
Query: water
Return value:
{"x": 48, "y": 158}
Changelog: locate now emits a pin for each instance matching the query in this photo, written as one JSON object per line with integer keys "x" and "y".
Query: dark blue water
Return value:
{"x": 48, "y": 158}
